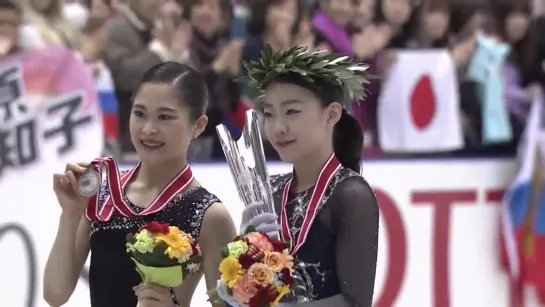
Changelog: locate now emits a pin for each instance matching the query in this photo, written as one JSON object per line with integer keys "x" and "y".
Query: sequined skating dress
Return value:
{"x": 111, "y": 274}
{"x": 338, "y": 260}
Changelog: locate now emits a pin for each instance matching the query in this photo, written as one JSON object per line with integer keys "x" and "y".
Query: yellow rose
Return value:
{"x": 275, "y": 260}
{"x": 260, "y": 273}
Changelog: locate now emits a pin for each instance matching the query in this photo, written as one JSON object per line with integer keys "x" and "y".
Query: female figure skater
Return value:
{"x": 327, "y": 210}
{"x": 167, "y": 112}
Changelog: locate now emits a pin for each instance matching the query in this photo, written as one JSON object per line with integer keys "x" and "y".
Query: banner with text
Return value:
{"x": 438, "y": 235}
{"x": 48, "y": 109}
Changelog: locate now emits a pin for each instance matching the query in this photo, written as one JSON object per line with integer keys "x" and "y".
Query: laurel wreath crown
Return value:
{"x": 338, "y": 70}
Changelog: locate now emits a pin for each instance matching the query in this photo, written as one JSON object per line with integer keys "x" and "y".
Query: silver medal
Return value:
{"x": 89, "y": 183}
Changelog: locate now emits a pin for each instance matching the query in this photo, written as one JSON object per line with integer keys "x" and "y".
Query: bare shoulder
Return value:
{"x": 217, "y": 221}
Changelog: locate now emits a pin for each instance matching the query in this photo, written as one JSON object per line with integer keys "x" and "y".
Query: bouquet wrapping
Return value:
{"x": 163, "y": 254}
{"x": 256, "y": 271}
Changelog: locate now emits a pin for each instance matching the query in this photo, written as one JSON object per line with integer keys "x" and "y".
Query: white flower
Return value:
{"x": 193, "y": 267}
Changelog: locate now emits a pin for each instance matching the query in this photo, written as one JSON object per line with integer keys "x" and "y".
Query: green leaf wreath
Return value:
{"x": 336, "y": 69}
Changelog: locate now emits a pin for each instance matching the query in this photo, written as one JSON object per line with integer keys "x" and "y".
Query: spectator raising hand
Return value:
{"x": 282, "y": 35}
{"x": 228, "y": 59}
{"x": 305, "y": 36}
{"x": 371, "y": 40}
{"x": 462, "y": 52}
{"x": 181, "y": 38}
{"x": 171, "y": 33}
{"x": 532, "y": 91}
{"x": 99, "y": 12}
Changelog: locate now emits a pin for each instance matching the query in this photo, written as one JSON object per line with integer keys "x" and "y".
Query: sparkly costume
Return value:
{"x": 340, "y": 254}
{"x": 112, "y": 274}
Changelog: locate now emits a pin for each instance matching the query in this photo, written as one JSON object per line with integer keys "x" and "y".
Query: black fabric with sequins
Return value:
{"x": 112, "y": 274}
{"x": 340, "y": 253}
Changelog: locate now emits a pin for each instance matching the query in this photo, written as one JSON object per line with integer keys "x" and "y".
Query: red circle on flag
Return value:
{"x": 422, "y": 103}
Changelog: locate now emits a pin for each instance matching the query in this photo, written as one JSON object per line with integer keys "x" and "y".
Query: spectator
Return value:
{"x": 331, "y": 22}
{"x": 519, "y": 73}
{"x": 428, "y": 25}
{"x": 241, "y": 13}
{"x": 144, "y": 34}
{"x": 394, "y": 13}
{"x": 218, "y": 59}
{"x": 363, "y": 14}
{"x": 467, "y": 19}
{"x": 10, "y": 20}
{"x": 274, "y": 22}
{"x": 95, "y": 31}
{"x": 368, "y": 41}
{"x": 47, "y": 21}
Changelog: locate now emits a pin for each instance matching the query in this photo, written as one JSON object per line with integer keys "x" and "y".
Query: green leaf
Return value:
{"x": 338, "y": 70}
{"x": 165, "y": 276}
{"x": 225, "y": 252}
{"x": 249, "y": 229}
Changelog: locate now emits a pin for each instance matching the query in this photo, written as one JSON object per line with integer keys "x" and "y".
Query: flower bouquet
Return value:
{"x": 256, "y": 271}
{"x": 163, "y": 254}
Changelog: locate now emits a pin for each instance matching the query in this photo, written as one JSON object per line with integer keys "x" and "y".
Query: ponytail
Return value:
{"x": 348, "y": 141}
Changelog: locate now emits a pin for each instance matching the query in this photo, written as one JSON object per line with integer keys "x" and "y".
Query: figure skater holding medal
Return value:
{"x": 168, "y": 111}
{"x": 327, "y": 210}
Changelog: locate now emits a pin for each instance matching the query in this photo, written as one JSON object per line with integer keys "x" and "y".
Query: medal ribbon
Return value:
{"x": 116, "y": 185}
{"x": 324, "y": 178}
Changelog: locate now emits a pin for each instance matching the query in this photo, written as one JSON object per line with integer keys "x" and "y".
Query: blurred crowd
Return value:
{"x": 126, "y": 37}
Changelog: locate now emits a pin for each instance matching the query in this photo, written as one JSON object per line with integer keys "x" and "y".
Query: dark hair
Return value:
{"x": 257, "y": 23}
{"x": 225, "y": 6}
{"x": 379, "y": 16}
{"x": 10, "y": 5}
{"x": 347, "y": 133}
{"x": 190, "y": 86}
{"x": 414, "y": 23}
{"x": 461, "y": 13}
{"x": 523, "y": 53}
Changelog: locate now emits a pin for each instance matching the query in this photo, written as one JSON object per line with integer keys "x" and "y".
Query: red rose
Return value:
{"x": 246, "y": 261}
{"x": 155, "y": 227}
{"x": 278, "y": 245}
{"x": 264, "y": 297}
{"x": 195, "y": 250}
{"x": 285, "y": 277}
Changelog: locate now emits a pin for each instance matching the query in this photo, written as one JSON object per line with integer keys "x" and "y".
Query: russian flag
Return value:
{"x": 108, "y": 102}
{"x": 523, "y": 214}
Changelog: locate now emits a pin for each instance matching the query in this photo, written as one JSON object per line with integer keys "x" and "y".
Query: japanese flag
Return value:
{"x": 418, "y": 107}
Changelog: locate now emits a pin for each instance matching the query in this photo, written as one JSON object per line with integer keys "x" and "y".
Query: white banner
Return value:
{"x": 418, "y": 107}
{"x": 438, "y": 234}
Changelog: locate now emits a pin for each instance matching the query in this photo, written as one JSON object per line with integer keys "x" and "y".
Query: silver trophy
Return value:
{"x": 246, "y": 159}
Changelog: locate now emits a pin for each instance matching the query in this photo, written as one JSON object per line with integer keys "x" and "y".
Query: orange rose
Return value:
{"x": 276, "y": 261}
{"x": 260, "y": 241}
{"x": 261, "y": 274}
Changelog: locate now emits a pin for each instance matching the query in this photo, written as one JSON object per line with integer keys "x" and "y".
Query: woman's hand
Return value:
{"x": 151, "y": 295}
{"x": 256, "y": 215}
{"x": 228, "y": 59}
{"x": 66, "y": 189}
{"x": 532, "y": 91}
{"x": 462, "y": 52}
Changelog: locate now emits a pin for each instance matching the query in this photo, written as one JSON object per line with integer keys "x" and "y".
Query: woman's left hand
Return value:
{"x": 150, "y": 295}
